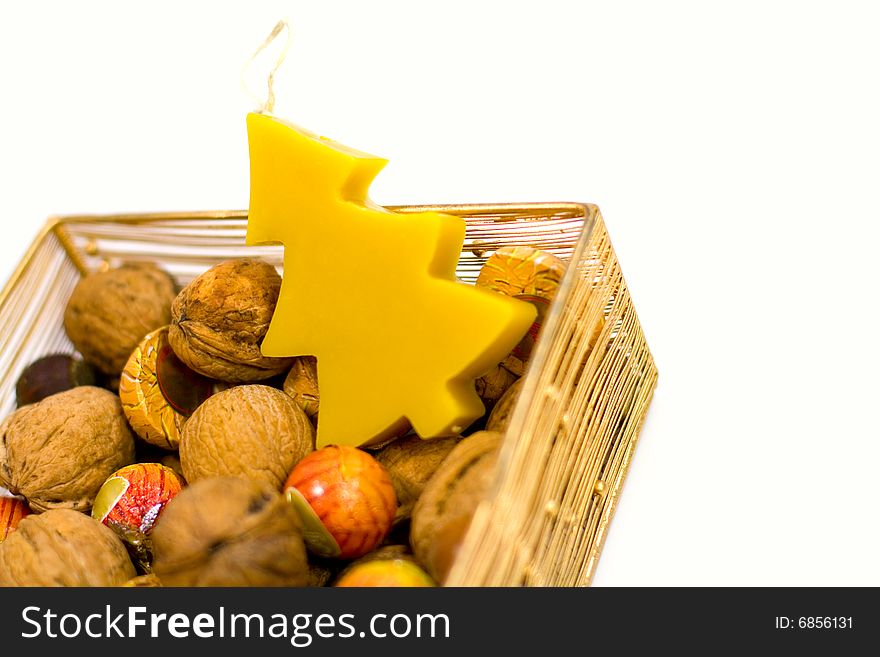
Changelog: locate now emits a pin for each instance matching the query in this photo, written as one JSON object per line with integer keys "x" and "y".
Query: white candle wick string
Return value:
{"x": 268, "y": 105}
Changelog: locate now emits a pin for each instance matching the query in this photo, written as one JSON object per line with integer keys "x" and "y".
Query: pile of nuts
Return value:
{"x": 170, "y": 452}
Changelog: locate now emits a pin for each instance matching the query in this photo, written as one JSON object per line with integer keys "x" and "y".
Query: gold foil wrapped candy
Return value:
{"x": 158, "y": 392}
{"x": 529, "y": 274}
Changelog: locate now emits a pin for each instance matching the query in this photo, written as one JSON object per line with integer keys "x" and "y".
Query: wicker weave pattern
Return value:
{"x": 575, "y": 426}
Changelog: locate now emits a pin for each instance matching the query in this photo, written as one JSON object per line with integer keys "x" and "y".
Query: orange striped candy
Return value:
{"x": 349, "y": 493}
{"x": 132, "y": 497}
{"x": 12, "y": 510}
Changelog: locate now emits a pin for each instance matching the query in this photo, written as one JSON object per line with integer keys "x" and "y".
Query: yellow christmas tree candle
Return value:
{"x": 371, "y": 293}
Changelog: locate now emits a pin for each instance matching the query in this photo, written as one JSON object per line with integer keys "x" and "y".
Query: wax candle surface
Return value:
{"x": 371, "y": 293}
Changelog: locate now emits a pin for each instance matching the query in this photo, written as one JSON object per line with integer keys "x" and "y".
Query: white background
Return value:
{"x": 733, "y": 148}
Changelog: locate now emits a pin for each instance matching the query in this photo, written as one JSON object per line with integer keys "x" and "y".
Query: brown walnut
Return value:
{"x": 492, "y": 385}
{"x": 250, "y": 431}
{"x": 443, "y": 513}
{"x": 58, "y": 452}
{"x": 109, "y": 313}
{"x": 499, "y": 418}
{"x": 226, "y": 531}
{"x": 410, "y": 461}
{"x": 219, "y": 320}
{"x": 302, "y": 385}
{"x": 63, "y": 548}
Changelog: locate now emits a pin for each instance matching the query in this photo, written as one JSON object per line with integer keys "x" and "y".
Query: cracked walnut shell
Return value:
{"x": 63, "y": 548}
{"x": 220, "y": 319}
{"x": 109, "y": 312}
{"x": 58, "y": 452}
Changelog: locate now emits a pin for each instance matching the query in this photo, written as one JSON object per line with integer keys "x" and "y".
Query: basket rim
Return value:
{"x": 55, "y": 223}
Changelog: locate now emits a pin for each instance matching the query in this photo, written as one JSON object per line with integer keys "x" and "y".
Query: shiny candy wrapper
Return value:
{"x": 345, "y": 499}
{"x": 12, "y": 510}
{"x": 158, "y": 392}
{"x": 528, "y": 274}
{"x": 131, "y": 500}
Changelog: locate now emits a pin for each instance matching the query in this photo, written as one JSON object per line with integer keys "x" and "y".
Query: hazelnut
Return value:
{"x": 51, "y": 374}
{"x": 251, "y": 431}
{"x": 109, "y": 312}
{"x": 226, "y": 531}
{"x": 58, "y": 452}
{"x": 220, "y": 319}
{"x": 63, "y": 548}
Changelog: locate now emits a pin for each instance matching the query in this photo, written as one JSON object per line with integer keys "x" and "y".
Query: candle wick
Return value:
{"x": 268, "y": 105}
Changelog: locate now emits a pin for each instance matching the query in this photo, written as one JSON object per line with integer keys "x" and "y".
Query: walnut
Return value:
{"x": 63, "y": 548}
{"x": 252, "y": 431}
{"x": 58, "y": 452}
{"x": 220, "y": 319}
{"x": 302, "y": 385}
{"x": 499, "y": 418}
{"x": 492, "y": 385}
{"x": 110, "y": 312}
{"x": 226, "y": 531}
{"x": 410, "y": 462}
{"x": 443, "y": 513}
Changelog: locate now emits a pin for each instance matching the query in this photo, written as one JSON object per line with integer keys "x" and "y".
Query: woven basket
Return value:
{"x": 575, "y": 426}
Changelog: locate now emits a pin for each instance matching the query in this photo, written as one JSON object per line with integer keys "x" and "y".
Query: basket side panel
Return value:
{"x": 570, "y": 439}
{"x": 32, "y": 312}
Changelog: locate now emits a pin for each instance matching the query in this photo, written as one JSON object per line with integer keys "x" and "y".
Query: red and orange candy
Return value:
{"x": 345, "y": 499}
{"x": 131, "y": 500}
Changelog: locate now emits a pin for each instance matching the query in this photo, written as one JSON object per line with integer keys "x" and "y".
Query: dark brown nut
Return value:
{"x": 109, "y": 312}
{"x": 443, "y": 513}
{"x": 251, "y": 431}
{"x": 226, "y": 531}
{"x": 63, "y": 548}
{"x": 220, "y": 319}
{"x": 51, "y": 374}
{"x": 410, "y": 461}
{"x": 499, "y": 418}
{"x": 302, "y": 385}
{"x": 58, "y": 452}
